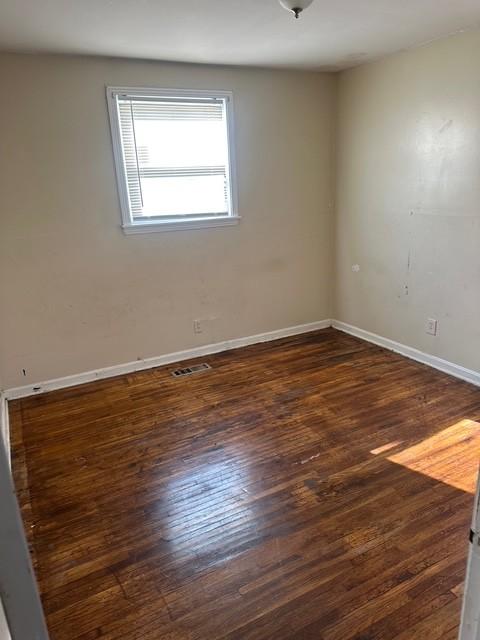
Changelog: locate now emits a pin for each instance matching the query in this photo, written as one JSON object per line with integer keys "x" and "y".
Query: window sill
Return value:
{"x": 177, "y": 225}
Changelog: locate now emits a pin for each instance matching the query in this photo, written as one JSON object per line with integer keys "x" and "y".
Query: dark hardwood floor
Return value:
{"x": 316, "y": 488}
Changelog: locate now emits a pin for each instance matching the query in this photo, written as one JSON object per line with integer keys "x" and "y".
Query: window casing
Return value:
{"x": 173, "y": 157}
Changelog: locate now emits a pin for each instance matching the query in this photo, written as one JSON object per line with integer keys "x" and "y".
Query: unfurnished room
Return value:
{"x": 240, "y": 320}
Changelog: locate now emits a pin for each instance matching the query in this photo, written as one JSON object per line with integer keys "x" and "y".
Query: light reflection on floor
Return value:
{"x": 207, "y": 497}
{"x": 436, "y": 456}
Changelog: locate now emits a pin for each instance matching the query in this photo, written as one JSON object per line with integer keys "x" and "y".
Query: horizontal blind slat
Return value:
{"x": 160, "y": 110}
{"x": 179, "y": 172}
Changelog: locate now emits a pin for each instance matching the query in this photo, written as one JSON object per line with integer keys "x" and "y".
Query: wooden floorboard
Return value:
{"x": 317, "y": 487}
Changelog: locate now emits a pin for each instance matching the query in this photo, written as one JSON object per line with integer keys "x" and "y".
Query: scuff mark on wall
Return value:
{"x": 445, "y": 126}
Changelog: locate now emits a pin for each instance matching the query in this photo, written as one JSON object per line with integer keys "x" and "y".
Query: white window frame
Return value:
{"x": 130, "y": 225}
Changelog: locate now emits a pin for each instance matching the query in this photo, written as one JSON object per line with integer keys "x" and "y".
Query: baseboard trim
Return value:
{"x": 469, "y": 375}
{"x": 4, "y": 424}
{"x": 158, "y": 361}
{"x": 15, "y": 393}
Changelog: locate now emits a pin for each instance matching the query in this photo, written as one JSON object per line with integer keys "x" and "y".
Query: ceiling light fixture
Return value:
{"x": 295, "y": 6}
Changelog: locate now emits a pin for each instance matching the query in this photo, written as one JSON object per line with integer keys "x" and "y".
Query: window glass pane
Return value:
{"x": 176, "y": 157}
{"x": 184, "y": 196}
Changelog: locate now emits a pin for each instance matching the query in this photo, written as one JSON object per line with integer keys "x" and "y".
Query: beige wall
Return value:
{"x": 77, "y": 294}
{"x": 408, "y": 198}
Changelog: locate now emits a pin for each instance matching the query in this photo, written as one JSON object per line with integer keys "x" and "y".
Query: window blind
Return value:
{"x": 175, "y": 154}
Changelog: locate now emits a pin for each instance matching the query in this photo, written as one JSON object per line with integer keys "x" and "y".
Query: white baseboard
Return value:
{"x": 158, "y": 361}
{"x": 4, "y": 424}
{"x": 197, "y": 352}
{"x": 414, "y": 354}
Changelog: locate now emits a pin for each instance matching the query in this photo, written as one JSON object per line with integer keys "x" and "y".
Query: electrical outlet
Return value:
{"x": 197, "y": 326}
{"x": 431, "y": 326}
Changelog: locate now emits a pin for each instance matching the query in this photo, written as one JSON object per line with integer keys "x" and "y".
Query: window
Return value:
{"x": 173, "y": 157}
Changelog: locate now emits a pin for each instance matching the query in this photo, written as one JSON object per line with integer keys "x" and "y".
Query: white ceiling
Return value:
{"x": 331, "y": 34}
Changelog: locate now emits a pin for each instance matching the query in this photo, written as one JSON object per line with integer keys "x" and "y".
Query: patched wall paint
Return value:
{"x": 408, "y": 198}
{"x": 78, "y": 294}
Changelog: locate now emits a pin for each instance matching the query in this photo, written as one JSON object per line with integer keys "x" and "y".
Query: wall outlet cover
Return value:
{"x": 431, "y": 326}
{"x": 197, "y": 326}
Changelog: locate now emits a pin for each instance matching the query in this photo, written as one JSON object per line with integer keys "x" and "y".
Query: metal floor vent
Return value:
{"x": 188, "y": 371}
